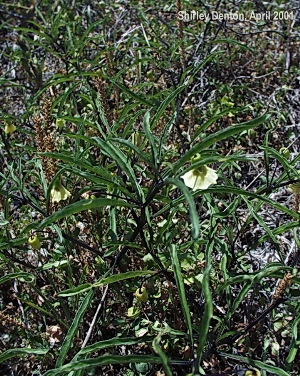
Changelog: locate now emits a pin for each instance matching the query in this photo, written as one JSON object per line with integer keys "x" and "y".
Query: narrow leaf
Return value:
{"x": 73, "y": 329}
{"x": 190, "y": 200}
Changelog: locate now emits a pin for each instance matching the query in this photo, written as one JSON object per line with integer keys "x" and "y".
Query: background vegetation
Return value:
{"x": 110, "y": 264}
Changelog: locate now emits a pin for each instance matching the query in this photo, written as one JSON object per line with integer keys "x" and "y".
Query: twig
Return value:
{"x": 21, "y": 307}
{"x": 88, "y": 334}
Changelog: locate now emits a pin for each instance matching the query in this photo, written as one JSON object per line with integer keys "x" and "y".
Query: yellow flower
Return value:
{"x": 294, "y": 188}
{"x": 141, "y": 294}
{"x": 34, "y": 241}
{"x": 9, "y": 128}
{"x": 60, "y": 123}
{"x": 200, "y": 178}
{"x": 59, "y": 192}
{"x": 252, "y": 372}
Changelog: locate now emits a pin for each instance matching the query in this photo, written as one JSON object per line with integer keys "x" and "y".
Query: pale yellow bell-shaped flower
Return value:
{"x": 9, "y": 128}
{"x": 200, "y": 178}
{"x": 60, "y": 123}
{"x": 34, "y": 241}
{"x": 294, "y": 188}
{"x": 59, "y": 192}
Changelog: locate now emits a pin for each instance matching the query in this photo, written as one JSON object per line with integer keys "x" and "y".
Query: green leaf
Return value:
{"x": 73, "y": 329}
{"x": 271, "y": 270}
{"x": 143, "y": 156}
{"x": 190, "y": 200}
{"x": 132, "y": 94}
{"x": 113, "y": 342}
{"x": 208, "y": 313}
{"x": 181, "y": 292}
{"x": 20, "y": 352}
{"x": 3, "y": 222}
{"x": 256, "y": 363}
{"x": 75, "y": 208}
{"x": 55, "y": 264}
{"x": 164, "y": 105}
{"x": 102, "y": 361}
{"x": 233, "y": 41}
{"x": 105, "y": 281}
{"x": 13, "y": 243}
{"x": 161, "y": 353}
{"x": 122, "y": 161}
{"x": 218, "y": 136}
{"x": 237, "y": 191}
{"x": 122, "y": 277}
{"x": 21, "y": 276}
{"x": 252, "y": 210}
{"x": 294, "y": 346}
{"x": 151, "y": 139}
{"x": 76, "y": 290}
{"x": 212, "y": 120}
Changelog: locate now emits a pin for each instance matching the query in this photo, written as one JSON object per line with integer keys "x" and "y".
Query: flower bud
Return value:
{"x": 196, "y": 158}
{"x": 252, "y": 372}
{"x": 34, "y": 241}
{"x": 285, "y": 152}
{"x": 136, "y": 139}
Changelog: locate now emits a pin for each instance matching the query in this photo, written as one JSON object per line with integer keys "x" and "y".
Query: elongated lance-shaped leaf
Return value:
{"x": 266, "y": 156}
{"x": 218, "y": 136}
{"x": 76, "y": 290}
{"x": 208, "y": 313}
{"x": 67, "y": 343}
{"x": 122, "y": 160}
{"x": 150, "y": 137}
{"x": 122, "y": 277}
{"x": 165, "y": 134}
{"x": 75, "y": 208}
{"x": 143, "y": 156}
{"x": 216, "y": 158}
{"x": 213, "y": 119}
{"x": 20, "y": 352}
{"x": 113, "y": 342}
{"x": 97, "y": 175}
{"x": 208, "y": 309}
{"x": 190, "y": 200}
{"x": 71, "y": 160}
{"x": 271, "y": 270}
{"x": 259, "y": 219}
{"x": 132, "y": 94}
{"x": 164, "y": 105}
{"x": 288, "y": 167}
{"x": 256, "y": 363}
{"x": 294, "y": 346}
{"x": 161, "y": 354}
{"x": 181, "y": 292}
{"x": 12, "y": 243}
{"x": 237, "y": 191}
{"x": 233, "y": 41}
{"x": 106, "y": 281}
{"x": 193, "y": 70}
{"x": 107, "y": 359}
{"x": 26, "y": 277}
